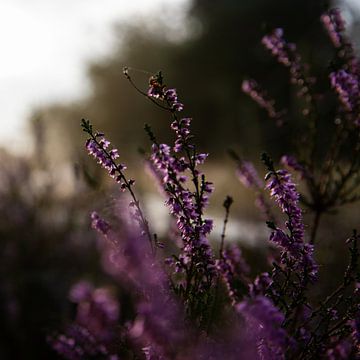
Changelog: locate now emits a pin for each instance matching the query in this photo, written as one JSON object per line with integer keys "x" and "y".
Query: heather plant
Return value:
{"x": 330, "y": 175}
{"x": 201, "y": 300}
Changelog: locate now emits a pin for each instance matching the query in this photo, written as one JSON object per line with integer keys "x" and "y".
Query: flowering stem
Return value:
{"x": 227, "y": 204}
{"x": 127, "y": 184}
{"x": 128, "y": 77}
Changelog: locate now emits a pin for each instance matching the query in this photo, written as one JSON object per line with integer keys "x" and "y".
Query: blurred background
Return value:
{"x": 62, "y": 61}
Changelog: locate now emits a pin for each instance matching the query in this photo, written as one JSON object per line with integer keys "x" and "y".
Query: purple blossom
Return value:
{"x": 283, "y": 51}
{"x": 286, "y": 54}
{"x": 260, "y": 285}
{"x": 78, "y": 343}
{"x": 252, "y": 88}
{"x": 99, "y": 224}
{"x": 263, "y": 323}
{"x": 171, "y": 98}
{"x": 233, "y": 269}
{"x": 335, "y": 25}
{"x": 186, "y": 205}
{"x": 346, "y": 85}
{"x": 159, "y": 91}
{"x": 340, "y": 350}
{"x": 248, "y": 175}
{"x": 98, "y": 147}
{"x": 94, "y": 328}
{"x": 283, "y": 190}
{"x": 355, "y": 324}
{"x": 81, "y": 291}
{"x": 291, "y": 162}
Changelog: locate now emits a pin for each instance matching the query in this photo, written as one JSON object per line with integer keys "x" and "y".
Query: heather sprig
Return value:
{"x": 334, "y": 24}
{"x": 295, "y": 251}
{"x": 94, "y": 330}
{"x": 287, "y": 55}
{"x": 98, "y": 146}
{"x": 176, "y": 165}
{"x": 260, "y": 96}
{"x": 263, "y": 322}
{"x": 331, "y": 180}
{"x": 157, "y": 92}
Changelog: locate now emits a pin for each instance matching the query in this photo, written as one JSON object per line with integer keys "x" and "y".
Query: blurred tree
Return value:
{"x": 207, "y": 67}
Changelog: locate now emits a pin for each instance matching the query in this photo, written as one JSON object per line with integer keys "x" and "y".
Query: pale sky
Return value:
{"x": 45, "y": 45}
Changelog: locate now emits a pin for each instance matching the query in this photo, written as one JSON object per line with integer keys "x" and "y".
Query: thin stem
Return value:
{"x": 227, "y": 204}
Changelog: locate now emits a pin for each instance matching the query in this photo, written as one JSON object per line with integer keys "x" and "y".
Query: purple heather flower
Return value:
{"x": 99, "y": 224}
{"x": 186, "y": 205}
{"x": 260, "y": 284}
{"x": 283, "y": 51}
{"x": 283, "y": 190}
{"x": 171, "y": 98}
{"x": 248, "y": 175}
{"x": 346, "y": 85}
{"x": 159, "y": 91}
{"x": 291, "y": 162}
{"x": 95, "y": 325}
{"x": 355, "y": 324}
{"x": 81, "y": 291}
{"x": 340, "y": 350}
{"x": 263, "y": 323}
{"x": 159, "y": 319}
{"x": 98, "y": 148}
{"x": 78, "y": 343}
{"x": 286, "y": 54}
{"x": 335, "y": 25}
{"x": 252, "y": 88}
{"x": 155, "y": 92}
{"x": 232, "y": 268}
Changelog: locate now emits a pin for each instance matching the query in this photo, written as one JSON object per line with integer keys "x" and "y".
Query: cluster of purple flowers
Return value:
{"x": 267, "y": 316}
{"x": 187, "y": 205}
{"x": 248, "y": 175}
{"x": 345, "y": 80}
{"x": 283, "y": 51}
{"x": 253, "y": 89}
{"x": 334, "y": 25}
{"x": 233, "y": 270}
{"x": 283, "y": 190}
{"x": 346, "y": 85}
{"x": 98, "y": 147}
{"x": 287, "y": 55}
{"x": 159, "y": 91}
{"x": 94, "y": 328}
{"x": 291, "y": 162}
{"x": 264, "y": 326}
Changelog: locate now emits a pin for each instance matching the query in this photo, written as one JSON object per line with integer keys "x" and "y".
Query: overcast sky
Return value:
{"x": 45, "y": 45}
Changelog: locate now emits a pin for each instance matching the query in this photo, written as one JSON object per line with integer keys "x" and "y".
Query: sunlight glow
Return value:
{"x": 45, "y": 46}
